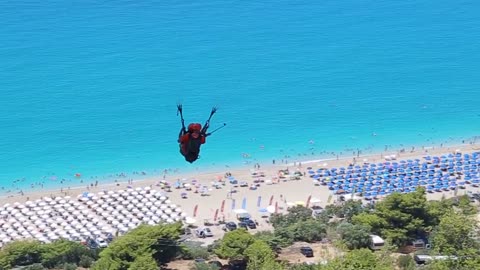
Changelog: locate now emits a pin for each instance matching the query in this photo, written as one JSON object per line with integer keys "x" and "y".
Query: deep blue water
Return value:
{"x": 91, "y": 87}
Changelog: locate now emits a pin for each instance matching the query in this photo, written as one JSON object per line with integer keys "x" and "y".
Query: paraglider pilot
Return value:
{"x": 192, "y": 138}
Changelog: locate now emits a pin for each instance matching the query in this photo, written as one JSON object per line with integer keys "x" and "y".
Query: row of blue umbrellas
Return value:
{"x": 436, "y": 174}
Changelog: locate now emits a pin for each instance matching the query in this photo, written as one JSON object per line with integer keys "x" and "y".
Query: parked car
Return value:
{"x": 243, "y": 225}
{"x": 306, "y": 251}
{"x": 204, "y": 232}
{"x": 243, "y": 184}
{"x": 251, "y": 224}
{"x": 230, "y": 226}
{"x": 101, "y": 243}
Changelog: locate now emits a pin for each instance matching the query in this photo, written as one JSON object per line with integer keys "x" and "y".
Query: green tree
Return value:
{"x": 274, "y": 241}
{"x": 285, "y": 234}
{"x": 351, "y": 208}
{"x": 354, "y": 236}
{"x": 257, "y": 254}
{"x": 294, "y": 215}
{"x": 144, "y": 262}
{"x": 234, "y": 244}
{"x": 436, "y": 209}
{"x": 375, "y": 223}
{"x": 400, "y": 217}
{"x": 61, "y": 252}
{"x": 159, "y": 241}
{"x": 466, "y": 206}
{"x": 19, "y": 253}
{"x": 309, "y": 230}
{"x": 453, "y": 235}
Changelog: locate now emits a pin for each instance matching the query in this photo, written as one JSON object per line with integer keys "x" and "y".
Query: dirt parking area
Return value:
{"x": 321, "y": 253}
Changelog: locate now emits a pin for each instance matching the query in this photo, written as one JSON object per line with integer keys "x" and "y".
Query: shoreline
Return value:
{"x": 141, "y": 180}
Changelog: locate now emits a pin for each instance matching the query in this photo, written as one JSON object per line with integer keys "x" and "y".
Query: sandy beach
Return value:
{"x": 280, "y": 193}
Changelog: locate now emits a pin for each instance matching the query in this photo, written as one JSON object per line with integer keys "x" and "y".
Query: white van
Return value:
{"x": 376, "y": 242}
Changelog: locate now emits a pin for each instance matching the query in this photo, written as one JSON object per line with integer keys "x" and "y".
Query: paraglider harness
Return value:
{"x": 191, "y": 149}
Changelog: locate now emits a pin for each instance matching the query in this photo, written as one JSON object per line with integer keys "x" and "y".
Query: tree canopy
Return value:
{"x": 234, "y": 244}
{"x": 400, "y": 217}
{"x": 156, "y": 242}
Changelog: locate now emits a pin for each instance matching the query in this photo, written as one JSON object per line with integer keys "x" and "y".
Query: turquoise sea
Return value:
{"x": 91, "y": 86}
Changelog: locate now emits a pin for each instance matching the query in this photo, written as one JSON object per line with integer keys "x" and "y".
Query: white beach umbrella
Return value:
{"x": 135, "y": 220}
{"x": 168, "y": 211}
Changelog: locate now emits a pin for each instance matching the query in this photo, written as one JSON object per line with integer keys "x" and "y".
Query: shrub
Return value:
{"x": 406, "y": 262}
{"x": 36, "y": 266}
{"x": 85, "y": 261}
{"x": 69, "y": 266}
